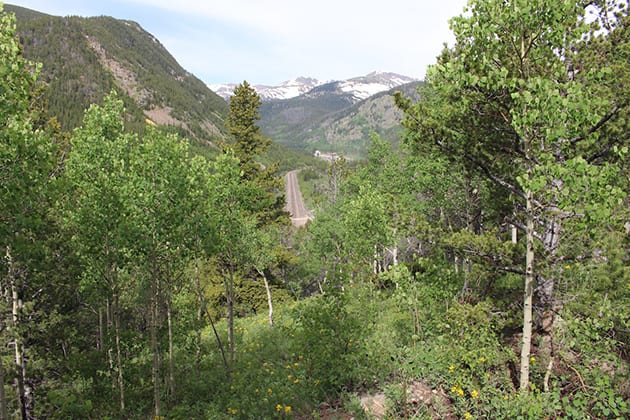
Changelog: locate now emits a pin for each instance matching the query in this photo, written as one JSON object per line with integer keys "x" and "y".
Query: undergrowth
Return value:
{"x": 327, "y": 350}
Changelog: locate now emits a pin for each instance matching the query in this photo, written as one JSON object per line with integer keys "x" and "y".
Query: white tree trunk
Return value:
{"x": 171, "y": 357}
{"x": 20, "y": 362}
{"x": 514, "y": 234}
{"x": 229, "y": 296}
{"x": 269, "y": 302}
{"x": 121, "y": 387}
{"x": 154, "y": 345}
{"x": 528, "y": 295}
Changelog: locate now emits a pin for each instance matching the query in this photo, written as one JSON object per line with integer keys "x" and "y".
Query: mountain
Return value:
{"x": 285, "y": 90}
{"x": 86, "y": 58}
{"x": 83, "y": 59}
{"x": 338, "y": 116}
{"x": 348, "y": 130}
{"x": 358, "y": 87}
{"x": 365, "y": 86}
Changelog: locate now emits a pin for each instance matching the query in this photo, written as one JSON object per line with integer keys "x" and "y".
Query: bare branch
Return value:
{"x": 511, "y": 270}
{"x": 522, "y": 227}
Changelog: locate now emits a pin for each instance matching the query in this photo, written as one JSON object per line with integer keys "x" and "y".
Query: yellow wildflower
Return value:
{"x": 289, "y": 377}
{"x": 467, "y": 415}
{"x": 257, "y": 391}
{"x": 532, "y": 359}
{"x": 279, "y": 407}
{"x": 474, "y": 394}
{"x": 457, "y": 390}
{"x": 451, "y": 368}
{"x": 287, "y": 409}
{"x": 269, "y": 391}
{"x": 297, "y": 381}
{"x": 482, "y": 359}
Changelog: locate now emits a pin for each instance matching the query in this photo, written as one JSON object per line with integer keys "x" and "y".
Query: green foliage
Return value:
{"x": 325, "y": 335}
{"x": 247, "y": 141}
{"x": 132, "y": 246}
{"x": 266, "y": 199}
{"x": 71, "y": 401}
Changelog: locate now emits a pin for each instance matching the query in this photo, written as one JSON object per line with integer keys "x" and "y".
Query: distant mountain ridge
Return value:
{"x": 357, "y": 88}
{"x": 363, "y": 87}
{"x": 285, "y": 90}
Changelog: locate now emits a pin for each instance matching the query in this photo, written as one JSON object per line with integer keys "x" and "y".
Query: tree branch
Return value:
{"x": 599, "y": 124}
{"x": 522, "y": 227}
{"x": 511, "y": 270}
{"x": 501, "y": 182}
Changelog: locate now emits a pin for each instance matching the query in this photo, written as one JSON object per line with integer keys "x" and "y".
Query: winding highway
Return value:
{"x": 295, "y": 202}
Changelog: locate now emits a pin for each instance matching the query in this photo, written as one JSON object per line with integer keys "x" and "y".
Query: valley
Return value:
{"x": 463, "y": 254}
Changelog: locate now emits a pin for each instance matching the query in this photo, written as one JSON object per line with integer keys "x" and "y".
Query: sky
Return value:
{"x": 271, "y": 41}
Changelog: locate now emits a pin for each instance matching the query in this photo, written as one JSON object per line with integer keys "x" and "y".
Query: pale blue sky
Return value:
{"x": 270, "y": 41}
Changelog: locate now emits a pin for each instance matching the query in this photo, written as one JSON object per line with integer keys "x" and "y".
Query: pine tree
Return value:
{"x": 248, "y": 143}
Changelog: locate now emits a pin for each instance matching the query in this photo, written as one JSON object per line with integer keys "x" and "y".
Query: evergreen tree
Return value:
{"x": 248, "y": 143}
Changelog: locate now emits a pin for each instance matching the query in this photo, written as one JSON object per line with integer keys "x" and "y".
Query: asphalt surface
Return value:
{"x": 295, "y": 202}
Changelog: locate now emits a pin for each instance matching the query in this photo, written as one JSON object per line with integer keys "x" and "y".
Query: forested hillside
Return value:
{"x": 85, "y": 58}
{"x": 330, "y": 120}
{"x": 478, "y": 269}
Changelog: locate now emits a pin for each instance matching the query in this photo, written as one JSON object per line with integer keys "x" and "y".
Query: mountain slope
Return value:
{"x": 85, "y": 58}
{"x": 332, "y": 120}
{"x": 348, "y": 131}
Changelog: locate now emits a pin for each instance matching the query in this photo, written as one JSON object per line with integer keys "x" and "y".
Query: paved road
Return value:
{"x": 295, "y": 203}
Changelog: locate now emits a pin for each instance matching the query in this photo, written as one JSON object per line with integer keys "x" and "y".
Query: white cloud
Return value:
{"x": 269, "y": 41}
{"x": 396, "y": 35}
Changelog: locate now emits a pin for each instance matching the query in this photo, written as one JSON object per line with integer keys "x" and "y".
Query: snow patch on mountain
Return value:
{"x": 288, "y": 89}
{"x": 285, "y": 90}
{"x": 358, "y": 87}
{"x": 376, "y": 82}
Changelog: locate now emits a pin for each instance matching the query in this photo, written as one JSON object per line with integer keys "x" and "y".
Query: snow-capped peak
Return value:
{"x": 288, "y": 89}
{"x": 285, "y": 90}
{"x": 365, "y": 86}
{"x": 359, "y": 87}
